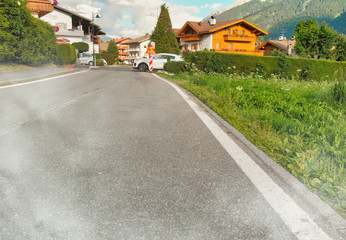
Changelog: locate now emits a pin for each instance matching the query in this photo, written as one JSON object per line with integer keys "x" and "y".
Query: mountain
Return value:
{"x": 218, "y": 12}
{"x": 281, "y": 16}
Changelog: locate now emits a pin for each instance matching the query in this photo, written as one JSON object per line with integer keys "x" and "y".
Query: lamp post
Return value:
{"x": 93, "y": 34}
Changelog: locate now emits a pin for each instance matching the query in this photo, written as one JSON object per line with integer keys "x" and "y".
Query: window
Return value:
{"x": 185, "y": 47}
{"x": 218, "y": 45}
{"x": 194, "y": 46}
{"x": 230, "y": 46}
{"x": 243, "y": 33}
{"x": 158, "y": 57}
{"x": 168, "y": 57}
{"x": 228, "y": 31}
{"x": 235, "y": 31}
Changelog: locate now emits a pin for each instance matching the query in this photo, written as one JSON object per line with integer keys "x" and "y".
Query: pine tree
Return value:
{"x": 163, "y": 35}
{"x": 113, "y": 49}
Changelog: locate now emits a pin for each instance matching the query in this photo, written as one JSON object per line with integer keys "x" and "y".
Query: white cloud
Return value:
{"x": 216, "y": 6}
{"x": 142, "y": 13}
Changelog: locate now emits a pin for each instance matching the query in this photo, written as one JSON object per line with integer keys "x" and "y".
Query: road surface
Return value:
{"x": 118, "y": 154}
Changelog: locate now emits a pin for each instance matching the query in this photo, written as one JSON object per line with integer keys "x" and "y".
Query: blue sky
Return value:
{"x": 133, "y": 18}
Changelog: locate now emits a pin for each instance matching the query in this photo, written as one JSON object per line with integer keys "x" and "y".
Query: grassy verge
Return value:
{"x": 297, "y": 123}
{"x": 12, "y": 66}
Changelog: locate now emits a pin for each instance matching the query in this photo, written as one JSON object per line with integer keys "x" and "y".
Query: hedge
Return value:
{"x": 302, "y": 68}
{"x": 99, "y": 62}
{"x": 174, "y": 67}
{"x": 66, "y": 54}
{"x": 110, "y": 59}
{"x": 81, "y": 46}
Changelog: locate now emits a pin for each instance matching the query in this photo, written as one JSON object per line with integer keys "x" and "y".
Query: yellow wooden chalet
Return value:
{"x": 234, "y": 36}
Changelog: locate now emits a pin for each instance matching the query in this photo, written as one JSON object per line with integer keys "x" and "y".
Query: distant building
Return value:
{"x": 283, "y": 45}
{"x": 234, "y": 36}
{"x": 137, "y": 47}
{"x": 121, "y": 44}
{"x": 71, "y": 27}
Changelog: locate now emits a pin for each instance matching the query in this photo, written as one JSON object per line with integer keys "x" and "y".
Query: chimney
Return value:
{"x": 212, "y": 21}
{"x": 289, "y": 49}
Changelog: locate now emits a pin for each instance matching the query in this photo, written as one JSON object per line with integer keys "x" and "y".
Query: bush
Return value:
{"x": 174, "y": 67}
{"x": 110, "y": 59}
{"x": 99, "y": 62}
{"x": 66, "y": 54}
{"x": 81, "y": 46}
{"x": 301, "y": 68}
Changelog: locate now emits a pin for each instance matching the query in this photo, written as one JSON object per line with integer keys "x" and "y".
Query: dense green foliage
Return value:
{"x": 99, "y": 62}
{"x": 81, "y": 46}
{"x": 66, "y": 54}
{"x": 277, "y": 16}
{"x": 113, "y": 49}
{"x": 298, "y": 68}
{"x": 317, "y": 41}
{"x": 108, "y": 57}
{"x": 23, "y": 38}
{"x": 298, "y": 123}
{"x": 163, "y": 35}
{"x": 174, "y": 67}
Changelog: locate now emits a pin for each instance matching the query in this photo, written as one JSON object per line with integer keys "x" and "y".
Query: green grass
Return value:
{"x": 297, "y": 123}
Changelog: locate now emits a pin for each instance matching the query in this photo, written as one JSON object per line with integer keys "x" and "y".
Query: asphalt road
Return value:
{"x": 119, "y": 154}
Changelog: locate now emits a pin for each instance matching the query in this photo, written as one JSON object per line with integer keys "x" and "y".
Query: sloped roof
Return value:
{"x": 121, "y": 40}
{"x": 281, "y": 44}
{"x": 205, "y": 27}
{"x": 140, "y": 39}
{"x": 176, "y": 30}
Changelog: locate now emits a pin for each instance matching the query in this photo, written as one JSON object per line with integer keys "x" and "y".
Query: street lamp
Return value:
{"x": 93, "y": 34}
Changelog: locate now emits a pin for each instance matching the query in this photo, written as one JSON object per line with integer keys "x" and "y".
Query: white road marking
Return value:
{"x": 298, "y": 221}
{"x": 42, "y": 80}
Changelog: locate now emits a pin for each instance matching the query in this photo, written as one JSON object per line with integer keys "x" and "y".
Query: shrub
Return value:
{"x": 110, "y": 59}
{"x": 113, "y": 49}
{"x": 99, "y": 62}
{"x": 81, "y": 46}
{"x": 66, "y": 54}
{"x": 174, "y": 67}
{"x": 318, "y": 70}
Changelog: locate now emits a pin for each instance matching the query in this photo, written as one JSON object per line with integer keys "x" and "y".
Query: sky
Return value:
{"x": 134, "y": 18}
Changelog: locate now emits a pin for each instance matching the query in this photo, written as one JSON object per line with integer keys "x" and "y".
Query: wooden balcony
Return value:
{"x": 190, "y": 38}
{"x": 238, "y": 38}
{"x": 42, "y": 7}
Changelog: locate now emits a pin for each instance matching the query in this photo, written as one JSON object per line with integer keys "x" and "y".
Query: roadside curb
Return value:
{"x": 318, "y": 210}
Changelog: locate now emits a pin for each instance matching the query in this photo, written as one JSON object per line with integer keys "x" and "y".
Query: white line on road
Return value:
{"x": 298, "y": 221}
{"x": 42, "y": 80}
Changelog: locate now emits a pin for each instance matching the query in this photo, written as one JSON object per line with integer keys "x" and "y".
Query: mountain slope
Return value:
{"x": 281, "y": 16}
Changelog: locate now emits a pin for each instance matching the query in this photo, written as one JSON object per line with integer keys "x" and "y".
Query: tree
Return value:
{"x": 163, "y": 35}
{"x": 339, "y": 53}
{"x": 81, "y": 46}
{"x": 317, "y": 41}
{"x": 306, "y": 35}
{"x": 113, "y": 49}
{"x": 326, "y": 40}
{"x": 23, "y": 38}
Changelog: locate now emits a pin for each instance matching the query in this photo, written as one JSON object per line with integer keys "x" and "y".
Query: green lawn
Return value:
{"x": 297, "y": 123}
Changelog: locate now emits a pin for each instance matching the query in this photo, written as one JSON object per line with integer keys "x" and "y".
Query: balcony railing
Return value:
{"x": 70, "y": 33}
{"x": 42, "y": 7}
{"x": 190, "y": 38}
{"x": 238, "y": 38}
{"x": 133, "y": 50}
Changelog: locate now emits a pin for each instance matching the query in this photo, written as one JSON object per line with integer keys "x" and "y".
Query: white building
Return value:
{"x": 137, "y": 47}
{"x": 71, "y": 27}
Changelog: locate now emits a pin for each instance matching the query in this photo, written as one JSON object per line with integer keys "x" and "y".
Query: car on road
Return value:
{"x": 86, "y": 58}
{"x": 159, "y": 61}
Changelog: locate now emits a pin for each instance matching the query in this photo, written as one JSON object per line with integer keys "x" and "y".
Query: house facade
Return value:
{"x": 137, "y": 47}
{"x": 283, "y": 45}
{"x": 71, "y": 27}
{"x": 121, "y": 44}
{"x": 234, "y": 36}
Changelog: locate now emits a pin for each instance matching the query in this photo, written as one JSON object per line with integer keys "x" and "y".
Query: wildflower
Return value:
{"x": 239, "y": 88}
{"x": 234, "y": 67}
{"x": 299, "y": 70}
